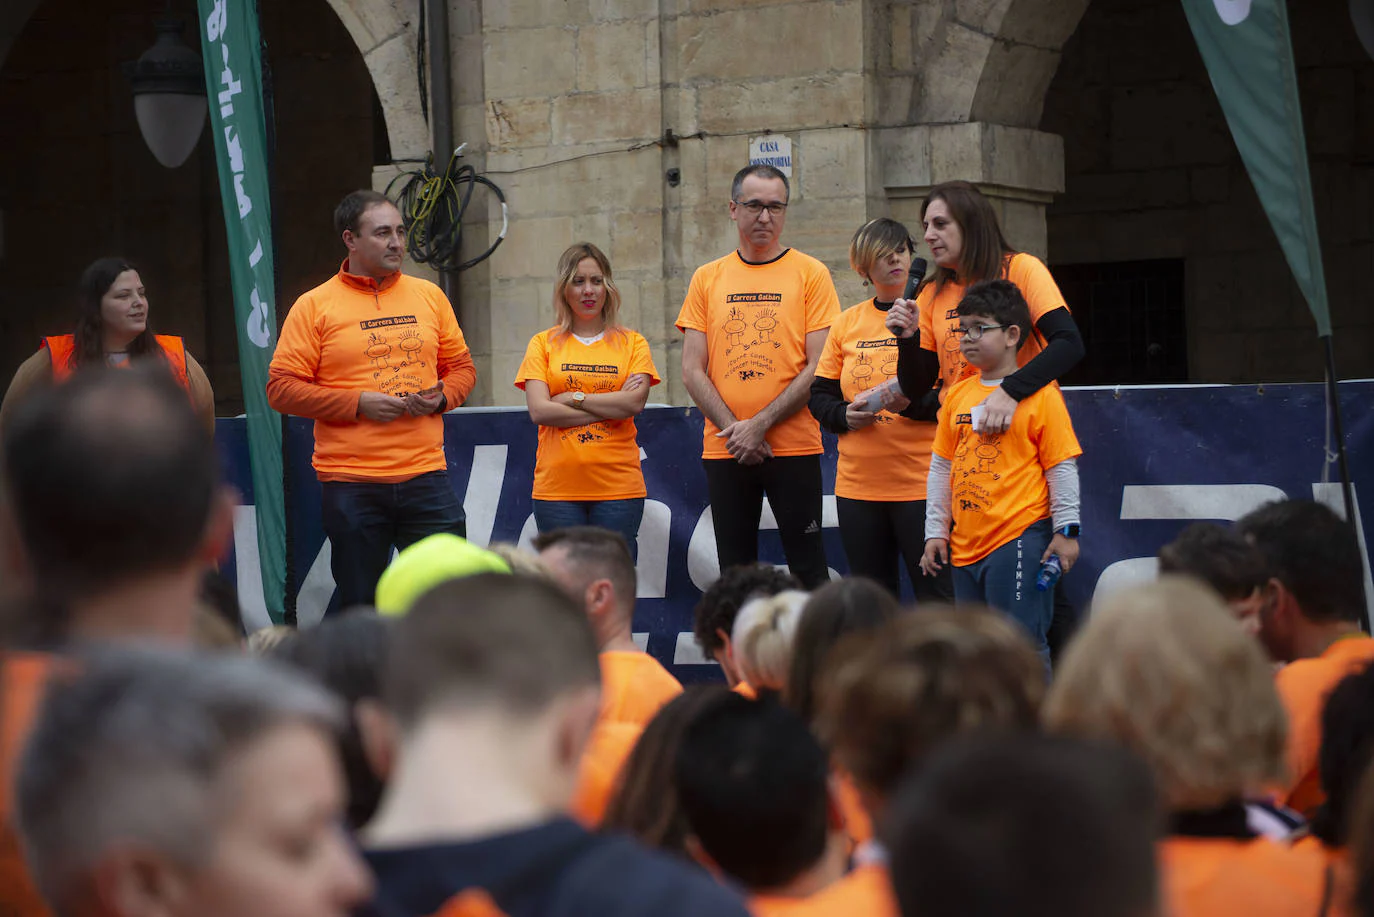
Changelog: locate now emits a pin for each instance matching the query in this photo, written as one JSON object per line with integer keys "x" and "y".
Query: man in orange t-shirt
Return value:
{"x": 113, "y": 511}
{"x": 1001, "y": 491}
{"x": 1310, "y": 618}
{"x": 754, "y": 325}
{"x": 374, "y": 357}
{"x": 593, "y": 566}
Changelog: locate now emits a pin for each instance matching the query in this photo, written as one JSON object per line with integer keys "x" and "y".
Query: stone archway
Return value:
{"x": 385, "y": 33}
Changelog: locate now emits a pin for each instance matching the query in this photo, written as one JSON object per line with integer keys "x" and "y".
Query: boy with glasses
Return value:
{"x": 1012, "y": 497}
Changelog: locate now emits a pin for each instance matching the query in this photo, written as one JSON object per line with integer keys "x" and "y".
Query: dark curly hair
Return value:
{"x": 721, "y": 601}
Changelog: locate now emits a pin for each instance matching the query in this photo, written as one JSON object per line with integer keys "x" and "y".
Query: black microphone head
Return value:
{"x": 914, "y": 276}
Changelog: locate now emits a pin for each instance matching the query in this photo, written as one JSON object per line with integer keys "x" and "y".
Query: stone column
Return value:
{"x": 1018, "y": 169}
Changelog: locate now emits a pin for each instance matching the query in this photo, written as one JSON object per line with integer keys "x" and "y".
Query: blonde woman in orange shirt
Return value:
{"x": 584, "y": 380}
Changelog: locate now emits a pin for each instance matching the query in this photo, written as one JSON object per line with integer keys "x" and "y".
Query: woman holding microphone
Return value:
{"x": 884, "y": 439}
{"x": 584, "y": 381}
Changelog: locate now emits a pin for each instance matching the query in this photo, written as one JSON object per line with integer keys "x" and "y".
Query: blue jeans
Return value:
{"x": 364, "y": 521}
{"x": 621, "y": 516}
{"x": 1005, "y": 579}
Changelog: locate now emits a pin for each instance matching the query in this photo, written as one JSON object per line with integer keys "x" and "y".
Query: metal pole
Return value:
{"x": 441, "y": 114}
{"x": 1338, "y": 428}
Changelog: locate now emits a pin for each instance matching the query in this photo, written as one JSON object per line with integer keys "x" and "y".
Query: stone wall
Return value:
{"x": 1152, "y": 172}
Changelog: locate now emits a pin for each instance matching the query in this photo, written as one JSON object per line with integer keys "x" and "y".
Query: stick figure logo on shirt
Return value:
{"x": 987, "y": 452}
{"x": 410, "y": 344}
{"x": 862, "y": 373}
{"x": 377, "y": 351}
{"x": 734, "y": 328}
{"x": 765, "y": 323}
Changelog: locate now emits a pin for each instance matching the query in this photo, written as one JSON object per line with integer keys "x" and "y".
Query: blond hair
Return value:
{"x": 567, "y": 270}
{"x": 522, "y": 562}
{"x": 261, "y": 642}
{"x": 1165, "y": 670}
{"x": 890, "y": 696}
{"x": 877, "y": 239}
{"x": 762, "y": 638}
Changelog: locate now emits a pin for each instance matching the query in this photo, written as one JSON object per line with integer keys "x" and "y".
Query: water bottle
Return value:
{"x": 1050, "y": 572}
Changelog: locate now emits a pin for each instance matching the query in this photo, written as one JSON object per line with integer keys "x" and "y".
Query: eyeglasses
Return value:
{"x": 976, "y": 332}
{"x": 754, "y": 208}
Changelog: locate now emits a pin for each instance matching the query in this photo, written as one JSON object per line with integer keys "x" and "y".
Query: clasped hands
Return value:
{"x": 385, "y": 408}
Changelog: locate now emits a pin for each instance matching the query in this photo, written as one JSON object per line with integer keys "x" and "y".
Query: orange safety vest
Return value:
{"x": 60, "y": 346}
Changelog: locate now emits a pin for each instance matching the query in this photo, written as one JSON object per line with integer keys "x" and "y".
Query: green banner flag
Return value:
{"x": 231, "y": 47}
{"x": 1249, "y": 56}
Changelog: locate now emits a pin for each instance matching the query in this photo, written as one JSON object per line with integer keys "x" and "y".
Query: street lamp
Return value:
{"x": 169, "y": 95}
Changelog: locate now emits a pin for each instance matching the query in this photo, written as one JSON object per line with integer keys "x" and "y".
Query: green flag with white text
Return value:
{"x": 231, "y": 48}
{"x": 1249, "y": 56}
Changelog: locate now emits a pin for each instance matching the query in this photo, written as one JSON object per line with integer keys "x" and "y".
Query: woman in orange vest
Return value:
{"x": 584, "y": 380}
{"x": 113, "y": 331}
{"x": 1166, "y": 671}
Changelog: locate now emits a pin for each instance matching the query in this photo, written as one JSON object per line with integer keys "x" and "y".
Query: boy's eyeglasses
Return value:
{"x": 754, "y": 208}
{"x": 976, "y": 332}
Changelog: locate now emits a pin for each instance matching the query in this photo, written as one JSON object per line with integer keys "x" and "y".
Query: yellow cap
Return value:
{"x": 428, "y": 563}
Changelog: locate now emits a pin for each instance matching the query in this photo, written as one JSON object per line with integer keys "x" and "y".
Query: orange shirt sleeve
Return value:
{"x": 832, "y": 357}
{"x": 536, "y": 363}
{"x": 642, "y": 359}
{"x": 822, "y": 302}
{"x": 693, "y": 313}
{"x": 1036, "y": 284}
{"x": 1052, "y": 429}
{"x": 457, "y": 372}
{"x": 291, "y": 385}
{"x": 945, "y": 440}
{"x": 925, "y": 314}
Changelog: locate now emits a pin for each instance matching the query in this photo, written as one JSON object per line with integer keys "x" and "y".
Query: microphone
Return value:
{"x": 914, "y": 276}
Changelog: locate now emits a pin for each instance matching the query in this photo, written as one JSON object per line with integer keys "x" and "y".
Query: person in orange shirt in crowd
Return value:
{"x": 1026, "y": 826}
{"x": 713, "y": 620}
{"x": 645, "y": 804}
{"x": 1011, "y": 498}
{"x": 594, "y": 567}
{"x": 761, "y": 641}
{"x": 1310, "y": 618}
{"x": 375, "y": 357}
{"x": 113, "y": 510}
{"x": 1223, "y": 559}
{"x": 754, "y": 786}
{"x": 112, "y": 331}
{"x": 889, "y": 697}
{"x": 968, "y": 246}
{"x": 1165, "y": 671}
{"x": 489, "y": 757}
{"x": 754, "y": 325}
{"x": 166, "y": 784}
{"x": 848, "y": 606}
{"x": 884, "y": 437}
{"x": 584, "y": 380}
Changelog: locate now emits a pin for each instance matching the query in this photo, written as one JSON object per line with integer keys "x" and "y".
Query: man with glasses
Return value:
{"x": 755, "y": 324}
{"x": 374, "y": 357}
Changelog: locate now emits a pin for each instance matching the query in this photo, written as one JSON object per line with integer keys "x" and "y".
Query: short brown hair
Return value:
{"x": 1165, "y": 670}
{"x": 489, "y": 640}
{"x": 351, "y": 209}
{"x": 1217, "y": 555}
{"x": 889, "y": 696}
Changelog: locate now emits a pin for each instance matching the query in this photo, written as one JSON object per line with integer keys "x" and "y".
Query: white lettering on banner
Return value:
{"x": 259, "y": 328}
{"x": 1201, "y": 502}
{"x": 232, "y": 87}
{"x": 252, "y": 604}
{"x": 255, "y": 255}
{"x": 216, "y": 21}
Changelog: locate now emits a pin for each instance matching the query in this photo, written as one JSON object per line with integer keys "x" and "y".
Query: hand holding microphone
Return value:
{"x": 902, "y": 320}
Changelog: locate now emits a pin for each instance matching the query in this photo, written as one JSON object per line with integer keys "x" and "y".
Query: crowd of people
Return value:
{"x": 479, "y": 734}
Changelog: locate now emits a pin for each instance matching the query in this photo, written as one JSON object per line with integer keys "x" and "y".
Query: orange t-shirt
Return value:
{"x": 889, "y": 460}
{"x": 597, "y": 460}
{"x": 598, "y": 774}
{"x": 352, "y": 335}
{"x": 634, "y": 687}
{"x": 940, "y": 323}
{"x": 1304, "y": 686}
{"x": 756, "y": 318}
{"x": 997, "y": 482}
{"x": 23, "y": 680}
{"x": 864, "y": 892}
{"x": 1204, "y": 877}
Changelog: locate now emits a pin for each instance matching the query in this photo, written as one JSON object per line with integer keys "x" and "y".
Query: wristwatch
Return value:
{"x": 1069, "y": 531}
{"x": 578, "y": 398}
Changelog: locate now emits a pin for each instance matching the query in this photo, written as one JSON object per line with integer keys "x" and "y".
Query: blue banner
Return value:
{"x": 1154, "y": 459}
